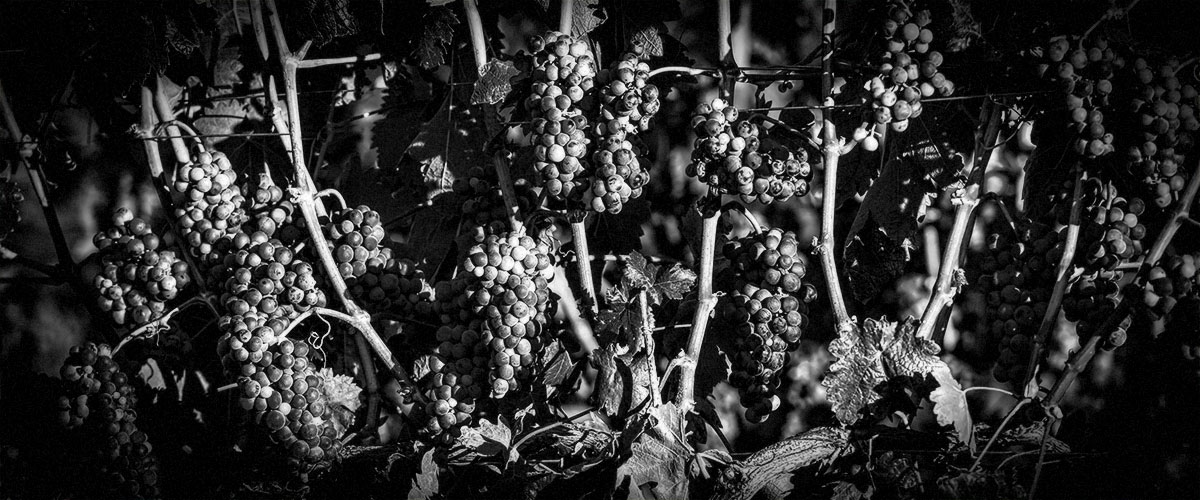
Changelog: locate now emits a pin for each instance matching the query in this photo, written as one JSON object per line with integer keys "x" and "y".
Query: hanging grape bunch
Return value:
{"x": 1082, "y": 78}
{"x": 484, "y": 202}
{"x": 137, "y": 279}
{"x": 1164, "y": 111}
{"x": 211, "y": 209}
{"x": 563, "y": 75}
{"x": 627, "y": 103}
{"x": 10, "y": 207}
{"x": 768, "y": 309}
{"x": 1090, "y": 299}
{"x": 98, "y": 408}
{"x": 267, "y": 211}
{"x": 1116, "y": 233}
{"x": 1017, "y": 274}
{"x": 732, "y": 156}
{"x": 373, "y": 274}
{"x": 1169, "y": 283}
{"x": 908, "y": 72}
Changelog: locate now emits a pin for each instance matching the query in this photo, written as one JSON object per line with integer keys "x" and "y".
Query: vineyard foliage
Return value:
{"x": 599, "y": 249}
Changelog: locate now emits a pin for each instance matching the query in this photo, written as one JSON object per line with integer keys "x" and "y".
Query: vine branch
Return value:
{"x": 831, "y": 147}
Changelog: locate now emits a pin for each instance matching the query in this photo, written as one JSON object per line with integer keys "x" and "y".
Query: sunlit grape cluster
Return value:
{"x": 563, "y": 74}
{"x": 268, "y": 211}
{"x": 627, "y": 103}
{"x": 137, "y": 278}
{"x": 768, "y": 309}
{"x": 11, "y": 198}
{"x": 211, "y": 209}
{"x": 1016, "y": 275}
{"x": 732, "y": 156}
{"x": 374, "y": 275}
{"x": 1082, "y": 77}
{"x": 1163, "y": 109}
{"x": 1115, "y": 233}
{"x": 908, "y": 72}
{"x": 99, "y": 407}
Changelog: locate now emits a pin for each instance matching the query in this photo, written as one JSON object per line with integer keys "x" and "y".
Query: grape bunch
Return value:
{"x": 627, "y": 103}
{"x": 908, "y": 71}
{"x": 98, "y": 408}
{"x": 10, "y": 207}
{"x": 1083, "y": 76}
{"x": 267, "y": 211}
{"x": 484, "y": 201}
{"x": 768, "y": 310}
{"x": 211, "y": 210}
{"x": 137, "y": 279}
{"x": 1091, "y": 299}
{"x": 1017, "y": 274}
{"x": 1164, "y": 111}
{"x": 280, "y": 388}
{"x": 374, "y": 275}
{"x": 563, "y": 75}
{"x": 732, "y": 156}
{"x": 1170, "y": 282}
{"x": 1116, "y": 234}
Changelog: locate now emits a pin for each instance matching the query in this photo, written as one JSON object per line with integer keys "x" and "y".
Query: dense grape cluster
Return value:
{"x": 267, "y": 211}
{"x": 1164, "y": 110}
{"x": 137, "y": 279}
{"x": 1115, "y": 233}
{"x": 627, "y": 103}
{"x": 99, "y": 406}
{"x": 1091, "y": 299}
{"x": 10, "y": 207}
{"x": 211, "y": 210}
{"x": 732, "y": 156}
{"x": 376, "y": 278}
{"x": 908, "y": 72}
{"x": 1017, "y": 275}
{"x": 563, "y": 74}
{"x": 1083, "y": 76}
{"x": 768, "y": 311}
{"x": 493, "y": 316}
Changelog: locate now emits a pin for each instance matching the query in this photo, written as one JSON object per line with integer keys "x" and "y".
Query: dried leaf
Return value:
{"x": 439, "y": 32}
{"x": 607, "y": 395}
{"x": 905, "y": 354}
{"x": 487, "y": 440}
{"x": 852, "y": 378}
{"x": 950, "y": 404}
{"x": 494, "y": 82}
{"x": 586, "y": 16}
{"x": 556, "y": 363}
{"x": 425, "y": 484}
{"x": 672, "y": 282}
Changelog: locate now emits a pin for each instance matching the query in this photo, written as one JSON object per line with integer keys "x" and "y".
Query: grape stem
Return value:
{"x": 831, "y": 146}
{"x": 335, "y": 194}
{"x": 1064, "y": 270}
{"x": 166, "y": 114}
{"x": 736, "y": 206}
{"x": 305, "y": 198}
{"x": 478, "y": 42}
{"x": 583, "y": 261}
{"x": 996, "y": 435}
{"x": 504, "y": 178}
{"x": 37, "y": 177}
{"x": 7, "y": 255}
{"x": 566, "y": 16}
{"x": 333, "y": 61}
{"x": 273, "y": 107}
{"x": 950, "y": 278}
{"x": 647, "y": 333}
{"x": 163, "y": 322}
{"x": 710, "y": 209}
{"x": 1080, "y": 359}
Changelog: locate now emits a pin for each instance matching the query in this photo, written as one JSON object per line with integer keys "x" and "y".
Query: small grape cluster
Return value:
{"x": 1091, "y": 299}
{"x": 268, "y": 286}
{"x": 1084, "y": 77}
{"x": 493, "y": 318}
{"x": 1116, "y": 234}
{"x": 768, "y": 310}
{"x": 563, "y": 74}
{"x": 908, "y": 72}
{"x": 1169, "y": 282}
{"x": 484, "y": 201}
{"x": 627, "y": 103}
{"x": 11, "y": 198}
{"x": 100, "y": 405}
{"x": 1164, "y": 110}
{"x": 137, "y": 279}
{"x": 267, "y": 211}
{"x": 730, "y": 155}
{"x": 211, "y": 210}
{"x": 1017, "y": 275}
{"x": 373, "y": 274}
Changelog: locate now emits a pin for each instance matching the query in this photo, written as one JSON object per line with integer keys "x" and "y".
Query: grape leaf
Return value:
{"x": 619, "y": 319}
{"x": 950, "y": 405}
{"x": 903, "y": 353}
{"x": 660, "y": 282}
{"x": 622, "y": 382}
{"x": 586, "y": 16}
{"x": 487, "y": 440}
{"x": 425, "y": 484}
{"x": 852, "y": 378}
{"x": 439, "y": 31}
{"x": 494, "y": 82}
{"x": 639, "y": 273}
{"x": 657, "y": 467}
{"x": 556, "y": 363}
{"x": 845, "y": 490}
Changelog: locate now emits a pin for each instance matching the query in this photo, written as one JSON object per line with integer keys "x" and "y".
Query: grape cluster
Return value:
{"x": 1116, "y": 234}
{"x": 1164, "y": 111}
{"x": 493, "y": 318}
{"x": 99, "y": 405}
{"x": 1017, "y": 275}
{"x": 10, "y": 207}
{"x": 211, "y": 210}
{"x": 908, "y": 72}
{"x": 268, "y": 286}
{"x": 768, "y": 310}
{"x": 563, "y": 74}
{"x": 137, "y": 279}
{"x": 730, "y": 155}
{"x": 1091, "y": 299}
{"x": 374, "y": 275}
{"x": 484, "y": 201}
{"x": 1084, "y": 78}
{"x": 1174, "y": 279}
{"x": 627, "y": 103}
{"x": 267, "y": 211}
